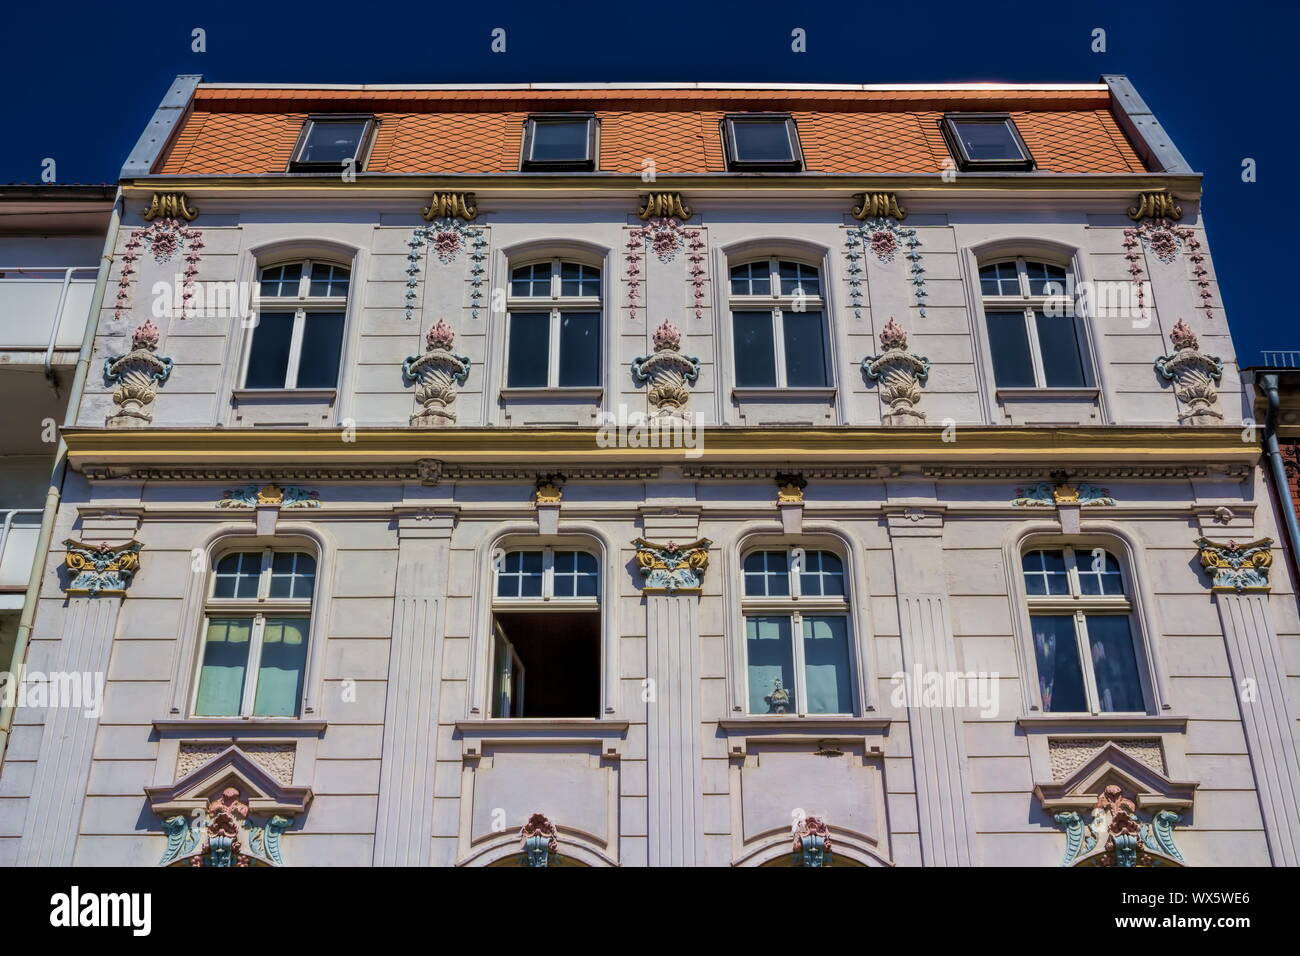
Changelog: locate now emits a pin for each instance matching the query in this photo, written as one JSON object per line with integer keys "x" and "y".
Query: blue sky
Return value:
{"x": 84, "y": 78}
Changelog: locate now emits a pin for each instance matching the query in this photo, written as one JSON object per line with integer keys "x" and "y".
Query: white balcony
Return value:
{"x": 19, "y": 529}
{"x": 44, "y": 310}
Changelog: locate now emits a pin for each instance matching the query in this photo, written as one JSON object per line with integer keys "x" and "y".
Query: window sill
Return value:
{"x": 753, "y": 394}
{"x": 1144, "y": 723}
{"x": 810, "y": 724}
{"x": 289, "y": 394}
{"x": 240, "y": 726}
{"x": 1046, "y": 394}
{"x": 584, "y": 394}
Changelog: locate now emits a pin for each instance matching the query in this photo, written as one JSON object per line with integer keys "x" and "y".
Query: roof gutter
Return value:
{"x": 1268, "y": 381}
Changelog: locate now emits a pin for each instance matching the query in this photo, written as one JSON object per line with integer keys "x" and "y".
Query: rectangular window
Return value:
{"x": 805, "y": 349}
{"x": 225, "y": 666}
{"x": 283, "y": 664}
{"x": 329, "y": 142}
{"x": 769, "y": 652}
{"x": 826, "y": 665}
{"x": 1060, "y": 672}
{"x": 268, "y": 358}
{"x": 1114, "y": 664}
{"x": 322, "y": 346}
{"x": 579, "y": 349}
{"x": 755, "y": 349}
{"x": 560, "y": 141}
{"x": 529, "y": 355}
{"x": 762, "y": 141}
{"x": 1013, "y": 367}
{"x": 1058, "y": 339}
{"x": 986, "y": 141}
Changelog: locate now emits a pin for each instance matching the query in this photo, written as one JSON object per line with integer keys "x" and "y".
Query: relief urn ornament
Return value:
{"x": 900, "y": 374}
{"x": 136, "y": 375}
{"x": 1194, "y": 375}
{"x": 669, "y": 372}
{"x": 436, "y": 374}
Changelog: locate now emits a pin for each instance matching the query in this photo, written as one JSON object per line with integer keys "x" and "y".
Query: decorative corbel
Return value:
{"x": 1194, "y": 375}
{"x": 672, "y": 568}
{"x": 1237, "y": 567}
{"x": 812, "y": 842}
{"x": 1044, "y": 495}
{"x": 436, "y": 373}
{"x": 1155, "y": 205}
{"x": 450, "y": 206}
{"x": 170, "y": 206}
{"x": 789, "y": 501}
{"x": 136, "y": 375}
{"x": 669, "y": 372}
{"x": 100, "y": 569}
{"x": 876, "y": 206}
{"x": 663, "y": 206}
{"x": 550, "y": 489}
{"x": 539, "y": 841}
{"x": 900, "y": 374}
{"x": 429, "y": 471}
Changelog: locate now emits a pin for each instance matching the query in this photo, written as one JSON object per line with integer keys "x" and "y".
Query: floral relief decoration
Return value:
{"x": 1165, "y": 239}
{"x": 884, "y": 238}
{"x": 666, "y": 237}
{"x": 447, "y": 238}
{"x": 164, "y": 238}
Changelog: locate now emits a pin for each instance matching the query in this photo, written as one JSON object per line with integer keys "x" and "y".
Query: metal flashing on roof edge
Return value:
{"x": 1149, "y": 137}
{"x": 159, "y": 131}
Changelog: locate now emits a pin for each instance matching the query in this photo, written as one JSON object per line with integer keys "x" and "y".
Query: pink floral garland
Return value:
{"x": 164, "y": 237}
{"x": 1165, "y": 240}
{"x": 665, "y": 237}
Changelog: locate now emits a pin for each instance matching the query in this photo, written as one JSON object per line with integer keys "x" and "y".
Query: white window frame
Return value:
{"x": 300, "y": 305}
{"x": 555, "y": 305}
{"x": 260, "y": 608}
{"x": 778, "y": 304}
{"x": 1028, "y": 304}
{"x": 795, "y": 606}
{"x": 548, "y": 595}
{"x": 1079, "y": 606}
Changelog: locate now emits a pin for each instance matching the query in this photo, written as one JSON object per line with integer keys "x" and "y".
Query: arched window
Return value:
{"x": 297, "y": 340}
{"x": 778, "y": 325}
{"x": 798, "y": 633}
{"x": 554, "y": 311}
{"x": 546, "y": 634}
{"x": 1034, "y": 334}
{"x": 257, "y": 620}
{"x": 1082, "y": 623}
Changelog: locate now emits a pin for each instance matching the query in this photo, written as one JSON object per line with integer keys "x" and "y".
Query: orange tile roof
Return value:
{"x": 233, "y": 131}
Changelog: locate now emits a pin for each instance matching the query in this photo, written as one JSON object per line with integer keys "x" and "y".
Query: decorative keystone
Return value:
{"x": 538, "y": 838}
{"x": 812, "y": 842}
{"x": 789, "y": 489}
{"x": 450, "y": 206}
{"x": 876, "y": 206}
{"x": 663, "y": 206}
{"x": 550, "y": 489}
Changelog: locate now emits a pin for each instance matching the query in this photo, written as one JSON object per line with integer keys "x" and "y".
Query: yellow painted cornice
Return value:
{"x": 551, "y": 447}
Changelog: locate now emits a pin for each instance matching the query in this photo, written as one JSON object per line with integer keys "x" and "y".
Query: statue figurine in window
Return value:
{"x": 778, "y": 702}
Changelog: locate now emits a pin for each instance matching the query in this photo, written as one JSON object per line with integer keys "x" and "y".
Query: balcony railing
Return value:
{"x": 44, "y": 308}
{"x": 19, "y": 529}
{"x": 1286, "y": 358}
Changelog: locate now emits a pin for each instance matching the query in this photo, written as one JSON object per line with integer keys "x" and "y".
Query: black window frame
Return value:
{"x": 958, "y": 149}
{"x": 528, "y": 164}
{"x": 736, "y": 164}
{"x": 364, "y": 142}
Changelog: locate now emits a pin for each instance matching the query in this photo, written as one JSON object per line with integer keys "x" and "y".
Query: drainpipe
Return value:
{"x": 1269, "y": 380}
{"x": 54, "y": 494}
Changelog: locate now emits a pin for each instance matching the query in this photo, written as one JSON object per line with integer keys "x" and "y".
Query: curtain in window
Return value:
{"x": 1060, "y": 678}
{"x": 284, "y": 661}
{"x": 1114, "y": 664}
{"x": 826, "y": 665}
{"x": 225, "y": 661}
{"x": 771, "y": 658}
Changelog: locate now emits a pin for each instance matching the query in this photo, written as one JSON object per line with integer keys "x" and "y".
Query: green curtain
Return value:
{"x": 225, "y": 661}
{"x": 283, "y": 665}
{"x": 770, "y": 656}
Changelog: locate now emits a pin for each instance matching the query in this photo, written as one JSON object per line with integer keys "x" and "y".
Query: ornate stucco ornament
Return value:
{"x": 789, "y": 489}
{"x": 165, "y": 238}
{"x": 447, "y": 237}
{"x": 1045, "y": 495}
{"x": 883, "y": 237}
{"x": 669, "y": 372}
{"x": 672, "y": 567}
{"x": 779, "y": 701}
{"x": 538, "y": 839}
{"x": 1116, "y": 837}
{"x": 170, "y": 206}
{"x": 136, "y": 375}
{"x": 665, "y": 236}
{"x": 1237, "y": 567}
{"x": 550, "y": 489}
{"x": 436, "y": 373}
{"x": 221, "y": 835}
{"x": 100, "y": 569}
{"x": 288, "y": 496}
{"x": 876, "y": 206}
{"x": 1155, "y": 205}
{"x": 663, "y": 206}
{"x": 450, "y": 205}
{"x": 900, "y": 374}
{"x": 812, "y": 842}
{"x": 1194, "y": 375}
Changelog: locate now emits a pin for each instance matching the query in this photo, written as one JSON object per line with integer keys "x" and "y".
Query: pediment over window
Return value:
{"x": 1118, "y": 811}
{"x": 230, "y": 768}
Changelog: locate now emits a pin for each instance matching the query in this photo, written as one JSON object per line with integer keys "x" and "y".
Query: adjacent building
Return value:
{"x": 670, "y": 475}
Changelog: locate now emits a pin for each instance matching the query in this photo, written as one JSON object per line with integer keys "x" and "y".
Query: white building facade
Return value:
{"x": 690, "y": 476}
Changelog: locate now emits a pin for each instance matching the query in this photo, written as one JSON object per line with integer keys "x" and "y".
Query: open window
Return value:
{"x": 798, "y": 633}
{"x": 546, "y": 630}
{"x": 332, "y": 142}
{"x": 257, "y": 621}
